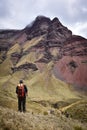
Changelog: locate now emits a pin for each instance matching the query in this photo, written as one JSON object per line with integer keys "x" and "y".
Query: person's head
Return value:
{"x": 21, "y": 81}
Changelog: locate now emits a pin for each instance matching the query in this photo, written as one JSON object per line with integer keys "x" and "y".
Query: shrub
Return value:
{"x": 78, "y": 128}
{"x": 45, "y": 113}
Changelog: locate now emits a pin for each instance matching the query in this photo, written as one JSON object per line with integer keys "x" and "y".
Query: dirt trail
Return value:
{"x": 69, "y": 106}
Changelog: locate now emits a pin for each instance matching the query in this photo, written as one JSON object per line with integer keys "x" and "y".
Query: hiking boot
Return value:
{"x": 24, "y": 111}
{"x": 19, "y": 110}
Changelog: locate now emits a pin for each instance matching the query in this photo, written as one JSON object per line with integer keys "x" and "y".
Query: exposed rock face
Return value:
{"x": 68, "y": 52}
{"x": 39, "y": 27}
{"x": 26, "y": 66}
{"x": 5, "y": 34}
{"x": 75, "y": 46}
{"x": 52, "y": 29}
{"x": 6, "y": 39}
{"x": 57, "y": 31}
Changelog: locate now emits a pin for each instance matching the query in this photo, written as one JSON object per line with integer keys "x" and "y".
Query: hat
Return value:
{"x": 21, "y": 81}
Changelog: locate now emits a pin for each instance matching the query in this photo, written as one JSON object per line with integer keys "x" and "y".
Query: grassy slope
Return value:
{"x": 31, "y": 57}
{"x": 15, "y": 48}
{"x": 5, "y": 67}
{"x": 38, "y": 91}
{"x": 31, "y": 43}
{"x": 78, "y": 110}
{"x": 42, "y": 87}
{"x": 11, "y": 120}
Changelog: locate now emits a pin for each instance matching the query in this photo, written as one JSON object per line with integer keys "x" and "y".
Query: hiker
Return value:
{"x": 21, "y": 91}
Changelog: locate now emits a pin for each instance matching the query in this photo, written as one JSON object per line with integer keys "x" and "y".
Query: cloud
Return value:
{"x": 4, "y": 9}
{"x": 79, "y": 29}
{"x": 19, "y": 13}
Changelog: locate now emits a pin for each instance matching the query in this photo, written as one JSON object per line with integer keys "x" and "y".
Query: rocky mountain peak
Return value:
{"x": 57, "y": 31}
{"x": 39, "y": 27}
{"x": 56, "y": 21}
{"x": 52, "y": 29}
{"x": 42, "y": 19}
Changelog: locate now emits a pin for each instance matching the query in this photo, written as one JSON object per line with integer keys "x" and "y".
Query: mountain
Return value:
{"x": 46, "y": 41}
{"x": 51, "y": 61}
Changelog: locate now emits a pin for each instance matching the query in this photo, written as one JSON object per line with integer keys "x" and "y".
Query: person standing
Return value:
{"x": 22, "y": 92}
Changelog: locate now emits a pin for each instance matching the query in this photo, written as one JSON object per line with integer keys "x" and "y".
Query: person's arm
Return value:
{"x": 26, "y": 90}
{"x": 17, "y": 90}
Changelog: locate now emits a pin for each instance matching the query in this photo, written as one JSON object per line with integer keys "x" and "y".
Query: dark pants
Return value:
{"x": 22, "y": 104}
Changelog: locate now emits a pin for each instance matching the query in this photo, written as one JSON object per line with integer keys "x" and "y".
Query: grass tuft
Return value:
{"x": 78, "y": 128}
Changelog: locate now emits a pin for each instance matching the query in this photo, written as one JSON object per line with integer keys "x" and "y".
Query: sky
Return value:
{"x": 17, "y": 14}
